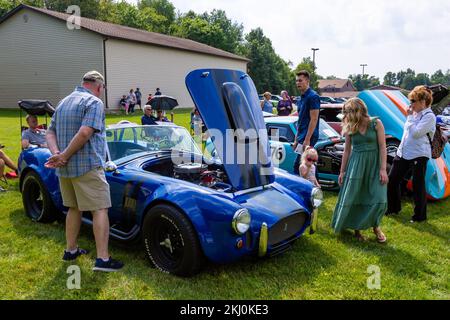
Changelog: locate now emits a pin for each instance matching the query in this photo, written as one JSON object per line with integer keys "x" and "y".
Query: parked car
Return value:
{"x": 391, "y": 107}
{"x": 340, "y": 100}
{"x": 330, "y": 148}
{"x": 330, "y": 113}
{"x": 183, "y": 206}
{"x": 325, "y": 99}
{"x": 275, "y": 99}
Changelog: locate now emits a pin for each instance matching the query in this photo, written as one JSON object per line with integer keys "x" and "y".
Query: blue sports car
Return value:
{"x": 183, "y": 206}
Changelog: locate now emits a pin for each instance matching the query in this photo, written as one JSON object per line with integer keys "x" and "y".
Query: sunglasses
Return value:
{"x": 311, "y": 159}
{"x": 413, "y": 101}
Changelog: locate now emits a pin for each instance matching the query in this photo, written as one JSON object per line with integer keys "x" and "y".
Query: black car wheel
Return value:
{"x": 36, "y": 199}
{"x": 171, "y": 242}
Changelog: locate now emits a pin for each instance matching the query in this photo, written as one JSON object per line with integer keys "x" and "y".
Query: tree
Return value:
{"x": 308, "y": 65}
{"x": 232, "y": 32}
{"x": 440, "y": 77}
{"x": 362, "y": 83}
{"x": 390, "y": 79}
{"x": 423, "y": 79}
{"x": 160, "y": 8}
{"x": 89, "y": 8}
{"x": 268, "y": 71}
{"x": 8, "y": 5}
{"x": 213, "y": 29}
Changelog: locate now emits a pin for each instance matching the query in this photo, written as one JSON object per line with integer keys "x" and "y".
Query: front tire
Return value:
{"x": 36, "y": 200}
{"x": 170, "y": 241}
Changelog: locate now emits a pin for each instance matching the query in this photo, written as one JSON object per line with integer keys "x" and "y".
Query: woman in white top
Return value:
{"x": 413, "y": 153}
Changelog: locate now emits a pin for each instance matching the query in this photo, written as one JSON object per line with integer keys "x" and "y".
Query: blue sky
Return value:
{"x": 387, "y": 35}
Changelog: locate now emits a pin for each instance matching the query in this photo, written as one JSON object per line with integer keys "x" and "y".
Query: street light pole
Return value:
{"x": 363, "y": 65}
{"x": 314, "y": 56}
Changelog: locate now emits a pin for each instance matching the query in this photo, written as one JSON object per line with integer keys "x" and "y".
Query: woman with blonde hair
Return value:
{"x": 413, "y": 153}
{"x": 362, "y": 199}
{"x": 266, "y": 105}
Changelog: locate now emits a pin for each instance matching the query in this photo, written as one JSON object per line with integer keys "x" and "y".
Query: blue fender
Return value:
{"x": 213, "y": 226}
{"x": 34, "y": 159}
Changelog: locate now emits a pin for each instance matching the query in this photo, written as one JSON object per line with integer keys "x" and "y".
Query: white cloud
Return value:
{"x": 388, "y": 35}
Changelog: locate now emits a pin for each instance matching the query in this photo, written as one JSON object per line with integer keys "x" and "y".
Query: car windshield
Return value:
{"x": 326, "y": 131}
{"x": 126, "y": 143}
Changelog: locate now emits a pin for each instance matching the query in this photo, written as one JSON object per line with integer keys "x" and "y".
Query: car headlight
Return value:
{"x": 316, "y": 197}
{"x": 241, "y": 221}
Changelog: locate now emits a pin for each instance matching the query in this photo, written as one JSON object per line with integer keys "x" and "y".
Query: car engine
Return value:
{"x": 199, "y": 173}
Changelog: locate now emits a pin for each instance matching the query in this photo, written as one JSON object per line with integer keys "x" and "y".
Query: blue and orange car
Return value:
{"x": 391, "y": 107}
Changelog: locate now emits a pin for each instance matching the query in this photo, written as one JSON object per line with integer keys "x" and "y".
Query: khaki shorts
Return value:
{"x": 89, "y": 192}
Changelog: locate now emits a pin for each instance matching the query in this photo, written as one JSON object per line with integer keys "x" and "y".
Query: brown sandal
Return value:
{"x": 359, "y": 236}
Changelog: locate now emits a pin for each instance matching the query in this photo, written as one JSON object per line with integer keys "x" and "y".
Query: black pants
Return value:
{"x": 399, "y": 169}
{"x": 131, "y": 108}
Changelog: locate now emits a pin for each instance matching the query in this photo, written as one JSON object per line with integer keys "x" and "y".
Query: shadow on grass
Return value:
{"x": 397, "y": 260}
{"x": 271, "y": 278}
{"x": 251, "y": 278}
{"x": 424, "y": 226}
{"x": 91, "y": 284}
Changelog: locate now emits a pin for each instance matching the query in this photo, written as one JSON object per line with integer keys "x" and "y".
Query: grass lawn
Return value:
{"x": 414, "y": 263}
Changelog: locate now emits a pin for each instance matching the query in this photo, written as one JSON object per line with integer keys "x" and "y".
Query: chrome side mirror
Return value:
{"x": 110, "y": 166}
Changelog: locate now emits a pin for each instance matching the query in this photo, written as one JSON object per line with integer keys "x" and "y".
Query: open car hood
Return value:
{"x": 227, "y": 100}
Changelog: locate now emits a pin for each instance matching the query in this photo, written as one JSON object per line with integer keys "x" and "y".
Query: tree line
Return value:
{"x": 268, "y": 70}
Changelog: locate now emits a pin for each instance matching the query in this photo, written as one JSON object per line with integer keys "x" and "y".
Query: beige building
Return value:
{"x": 42, "y": 57}
{"x": 337, "y": 88}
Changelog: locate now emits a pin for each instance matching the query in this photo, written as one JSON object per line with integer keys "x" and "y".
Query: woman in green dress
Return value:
{"x": 362, "y": 199}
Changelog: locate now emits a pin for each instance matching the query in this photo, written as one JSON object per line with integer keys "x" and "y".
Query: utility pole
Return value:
{"x": 314, "y": 57}
{"x": 363, "y": 65}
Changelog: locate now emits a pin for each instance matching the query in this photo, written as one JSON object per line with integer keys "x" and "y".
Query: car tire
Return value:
{"x": 37, "y": 202}
{"x": 171, "y": 242}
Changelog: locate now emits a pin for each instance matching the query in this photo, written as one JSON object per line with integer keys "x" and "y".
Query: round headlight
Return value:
{"x": 241, "y": 221}
{"x": 316, "y": 197}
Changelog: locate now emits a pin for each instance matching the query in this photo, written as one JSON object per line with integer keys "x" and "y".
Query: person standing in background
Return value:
{"x": 284, "y": 107}
{"x": 131, "y": 99}
{"x": 413, "y": 153}
{"x": 138, "y": 98}
{"x": 308, "y": 117}
{"x": 266, "y": 105}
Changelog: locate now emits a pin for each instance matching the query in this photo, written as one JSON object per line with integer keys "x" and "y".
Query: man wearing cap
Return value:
{"x": 148, "y": 118}
{"x": 76, "y": 139}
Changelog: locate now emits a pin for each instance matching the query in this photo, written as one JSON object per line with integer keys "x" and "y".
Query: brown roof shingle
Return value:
{"x": 336, "y": 83}
{"x": 131, "y": 34}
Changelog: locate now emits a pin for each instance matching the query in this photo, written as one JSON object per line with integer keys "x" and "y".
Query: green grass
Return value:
{"x": 414, "y": 263}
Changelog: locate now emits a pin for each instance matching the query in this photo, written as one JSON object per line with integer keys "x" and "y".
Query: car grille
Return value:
{"x": 286, "y": 228}
{"x": 330, "y": 159}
